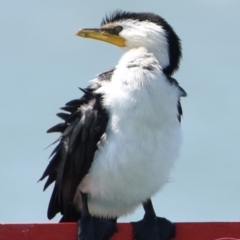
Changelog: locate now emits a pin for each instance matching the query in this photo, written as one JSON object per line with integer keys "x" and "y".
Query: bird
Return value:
{"x": 119, "y": 141}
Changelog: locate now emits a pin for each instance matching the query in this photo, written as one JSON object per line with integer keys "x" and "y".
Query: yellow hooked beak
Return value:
{"x": 102, "y": 35}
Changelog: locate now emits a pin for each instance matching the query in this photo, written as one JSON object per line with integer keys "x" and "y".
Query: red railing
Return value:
{"x": 68, "y": 231}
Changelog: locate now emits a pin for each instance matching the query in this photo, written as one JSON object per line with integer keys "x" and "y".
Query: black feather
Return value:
{"x": 183, "y": 93}
{"x": 70, "y": 109}
{"x": 57, "y": 128}
{"x": 52, "y": 166}
{"x": 63, "y": 116}
{"x": 75, "y": 134}
{"x": 120, "y": 15}
{"x": 75, "y": 102}
{"x": 86, "y": 91}
{"x": 51, "y": 178}
{"x": 73, "y": 156}
{"x": 180, "y": 112}
{"x": 53, "y": 208}
{"x": 55, "y": 150}
{"x": 105, "y": 76}
{"x": 73, "y": 116}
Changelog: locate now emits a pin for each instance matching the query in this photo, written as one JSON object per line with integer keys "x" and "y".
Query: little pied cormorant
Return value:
{"x": 120, "y": 140}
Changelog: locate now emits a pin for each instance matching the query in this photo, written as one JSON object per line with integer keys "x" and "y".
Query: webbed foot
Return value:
{"x": 92, "y": 228}
{"x": 104, "y": 228}
{"x": 152, "y": 227}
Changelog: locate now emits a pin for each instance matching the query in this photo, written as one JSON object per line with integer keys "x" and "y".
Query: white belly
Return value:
{"x": 138, "y": 150}
{"x": 127, "y": 173}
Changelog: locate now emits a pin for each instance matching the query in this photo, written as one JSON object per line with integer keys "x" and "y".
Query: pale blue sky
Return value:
{"x": 42, "y": 64}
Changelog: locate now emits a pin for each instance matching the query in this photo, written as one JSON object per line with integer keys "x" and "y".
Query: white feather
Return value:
{"x": 148, "y": 35}
{"x": 142, "y": 139}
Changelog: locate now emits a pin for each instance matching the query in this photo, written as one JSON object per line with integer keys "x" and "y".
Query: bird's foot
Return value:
{"x": 86, "y": 229}
{"x": 154, "y": 228}
{"x": 96, "y": 229}
{"x": 92, "y": 228}
{"x": 104, "y": 228}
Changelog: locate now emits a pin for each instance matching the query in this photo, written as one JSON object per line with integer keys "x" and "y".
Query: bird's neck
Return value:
{"x": 143, "y": 55}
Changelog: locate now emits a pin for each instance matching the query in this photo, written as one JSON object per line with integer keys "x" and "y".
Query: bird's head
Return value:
{"x": 134, "y": 30}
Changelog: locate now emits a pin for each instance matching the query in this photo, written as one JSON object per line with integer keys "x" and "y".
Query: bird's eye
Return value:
{"x": 117, "y": 29}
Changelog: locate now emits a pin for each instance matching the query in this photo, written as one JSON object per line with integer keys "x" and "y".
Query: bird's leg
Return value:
{"x": 92, "y": 228}
{"x": 152, "y": 227}
{"x": 85, "y": 223}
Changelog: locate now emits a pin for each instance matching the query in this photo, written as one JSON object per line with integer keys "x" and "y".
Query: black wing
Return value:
{"x": 71, "y": 159}
{"x": 182, "y": 94}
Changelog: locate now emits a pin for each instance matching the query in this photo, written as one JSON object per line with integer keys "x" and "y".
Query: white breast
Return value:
{"x": 142, "y": 139}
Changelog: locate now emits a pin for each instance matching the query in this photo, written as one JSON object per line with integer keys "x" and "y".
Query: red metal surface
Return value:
{"x": 68, "y": 231}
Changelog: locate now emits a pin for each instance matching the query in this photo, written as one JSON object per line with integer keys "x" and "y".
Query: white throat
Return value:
{"x": 144, "y": 57}
{"x": 148, "y": 36}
